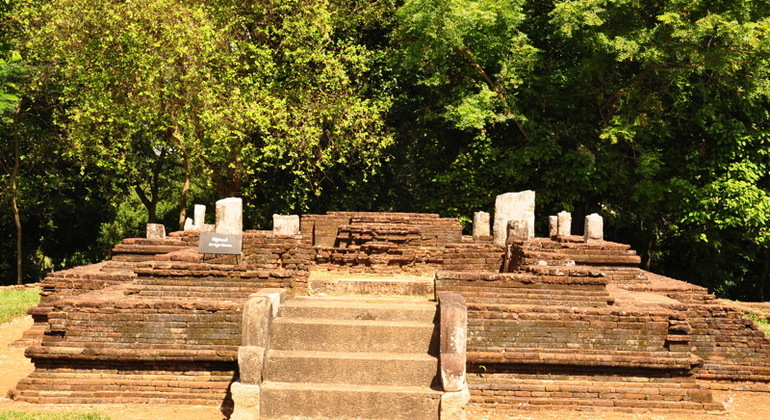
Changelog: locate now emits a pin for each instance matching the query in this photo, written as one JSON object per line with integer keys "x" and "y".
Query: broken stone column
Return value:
{"x": 594, "y": 229}
{"x": 246, "y": 400}
{"x": 199, "y": 218}
{"x": 481, "y": 223}
{"x": 565, "y": 223}
{"x": 453, "y": 332}
{"x": 230, "y": 216}
{"x": 188, "y": 224}
{"x": 518, "y": 230}
{"x": 258, "y": 314}
{"x": 453, "y": 336}
{"x": 553, "y": 226}
{"x": 514, "y": 206}
{"x": 156, "y": 231}
{"x": 285, "y": 225}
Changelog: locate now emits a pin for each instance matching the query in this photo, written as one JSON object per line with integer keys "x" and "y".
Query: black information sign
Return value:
{"x": 220, "y": 243}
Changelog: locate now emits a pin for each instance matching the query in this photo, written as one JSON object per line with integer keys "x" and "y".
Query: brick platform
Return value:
{"x": 551, "y": 323}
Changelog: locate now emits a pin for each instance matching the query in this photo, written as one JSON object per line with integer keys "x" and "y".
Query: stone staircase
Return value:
{"x": 346, "y": 354}
{"x": 336, "y": 358}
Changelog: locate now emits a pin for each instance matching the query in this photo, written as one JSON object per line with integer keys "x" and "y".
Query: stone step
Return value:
{"x": 353, "y": 335}
{"x": 357, "y": 308}
{"x": 282, "y": 400}
{"x": 344, "y": 286}
{"x": 351, "y": 368}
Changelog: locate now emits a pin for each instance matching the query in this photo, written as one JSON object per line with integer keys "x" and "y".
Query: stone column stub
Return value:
{"x": 594, "y": 228}
{"x": 565, "y": 223}
{"x": 156, "y": 231}
{"x": 553, "y": 226}
{"x": 513, "y": 206}
{"x": 518, "y": 230}
{"x": 481, "y": 223}
{"x": 230, "y": 216}
{"x": 286, "y": 225}
{"x": 199, "y": 216}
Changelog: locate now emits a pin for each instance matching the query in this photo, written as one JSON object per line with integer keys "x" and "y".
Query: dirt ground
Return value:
{"x": 14, "y": 366}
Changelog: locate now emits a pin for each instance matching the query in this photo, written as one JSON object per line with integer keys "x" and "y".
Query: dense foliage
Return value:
{"x": 654, "y": 114}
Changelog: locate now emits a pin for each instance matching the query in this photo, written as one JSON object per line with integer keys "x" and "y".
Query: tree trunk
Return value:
{"x": 185, "y": 192}
{"x": 15, "y": 206}
{"x": 765, "y": 275}
{"x": 150, "y": 204}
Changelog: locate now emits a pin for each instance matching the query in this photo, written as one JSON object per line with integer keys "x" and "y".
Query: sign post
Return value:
{"x": 220, "y": 243}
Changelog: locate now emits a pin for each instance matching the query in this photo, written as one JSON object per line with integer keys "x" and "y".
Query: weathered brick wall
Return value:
{"x": 114, "y": 325}
{"x": 498, "y": 328}
{"x": 482, "y": 256}
{"x": 732, "y": 346}
{"x": 263, "y": 250}
{"x": 118, "y": 382}
{"x": 569, "y": 288}
{"x": 503, "y": 389}
{"x": 616, "y": 258}
{"x": 144, "y": 249}
{"x": 396, "y": 242}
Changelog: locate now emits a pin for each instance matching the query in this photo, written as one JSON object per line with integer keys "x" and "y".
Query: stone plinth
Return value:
{"x": 199, "y": 213}
{"x": 565, "y": 224}
{"x": 156, "y": 231}
{"x": 286, "y": 225}
{"x": 594, "y": 229}
{"x": 247, "y": 401}
{"x": 518, "y": 230}
{"x": 481, "y": 223}
{"x": 513, "y": 206}
{"x": 230, "y": 216}
{"x": 553, "y": 226}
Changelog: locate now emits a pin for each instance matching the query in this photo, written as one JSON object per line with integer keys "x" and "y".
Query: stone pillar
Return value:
{"x": 481, "y": 223}
{"x": 514, "y": 206}
{"x": 553, "y": 226}
{"x": 453, "y": 334}
{"x": 246, "y": 400}
{"x": 565, "y": 224}
{"x": 188, "y": 224}
{"x": 258, "y": 314}
{"x": 230, "y": 216}
{"x": 199, "y": 219}
{"x": 156, "y": 231}
{"x": 518, "y": 230}
{"x": 285, "y": 225}
{"x": 594, "y": 230}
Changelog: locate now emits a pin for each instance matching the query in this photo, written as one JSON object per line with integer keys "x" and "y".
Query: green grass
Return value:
{"x": 761, "y": 322}
{"x": 14, "y": 303}
{"x": 13, "y": 415}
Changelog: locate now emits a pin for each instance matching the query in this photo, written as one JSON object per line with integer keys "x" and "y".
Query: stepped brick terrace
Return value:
{"x": 350, "y": 327}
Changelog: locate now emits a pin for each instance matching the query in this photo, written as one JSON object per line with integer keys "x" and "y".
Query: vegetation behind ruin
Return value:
{"x": 653, "y": 114}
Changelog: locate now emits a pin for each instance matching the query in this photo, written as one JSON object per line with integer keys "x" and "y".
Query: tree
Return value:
{"x": 243, "y": 93}
{"x": 10, "y": 71}
{"x": 654, "y": 113}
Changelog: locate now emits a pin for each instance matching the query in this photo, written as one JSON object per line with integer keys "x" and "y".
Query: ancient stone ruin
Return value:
{"x": 385, "y": 316}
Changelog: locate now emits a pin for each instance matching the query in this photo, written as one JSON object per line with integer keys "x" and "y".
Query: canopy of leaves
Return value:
{"x": 654, "y": 113}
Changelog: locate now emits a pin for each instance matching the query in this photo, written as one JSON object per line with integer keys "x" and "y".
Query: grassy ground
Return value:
{"x": 15, "y": 302}
{"x": 761, "y": 322}
{"x": 13, "y": 415}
